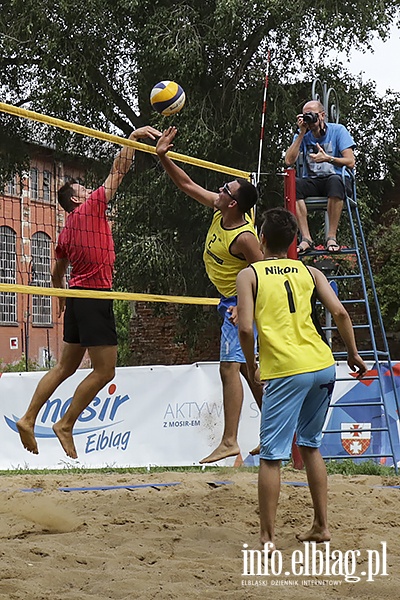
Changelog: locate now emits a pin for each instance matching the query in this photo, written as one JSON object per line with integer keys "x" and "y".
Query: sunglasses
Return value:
{"x": 225, "y": 188}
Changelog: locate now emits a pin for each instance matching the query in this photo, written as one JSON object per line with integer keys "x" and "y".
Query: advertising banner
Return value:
{"x": 147, "y": 416}
{"x": 173, "y": 416}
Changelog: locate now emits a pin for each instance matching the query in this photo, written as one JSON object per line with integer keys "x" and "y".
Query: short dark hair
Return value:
{"x": 246, "y": 195}
{"x": 65, "y": 194}
{"x": 279, "y": 228}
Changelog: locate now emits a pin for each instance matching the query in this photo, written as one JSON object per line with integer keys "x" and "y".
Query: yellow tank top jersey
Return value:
{"x": 221, "y": 265}
{"x": 291, "y": 340}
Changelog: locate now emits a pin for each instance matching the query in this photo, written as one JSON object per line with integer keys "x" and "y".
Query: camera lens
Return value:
{"x": 310, "y": 117}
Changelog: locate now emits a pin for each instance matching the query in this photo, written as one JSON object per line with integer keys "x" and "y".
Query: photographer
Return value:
{"x": 326, "y": 148}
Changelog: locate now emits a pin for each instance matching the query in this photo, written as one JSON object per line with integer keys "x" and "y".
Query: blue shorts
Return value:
{"x": 294, "y": 404}
{"x": 230, "y": 348}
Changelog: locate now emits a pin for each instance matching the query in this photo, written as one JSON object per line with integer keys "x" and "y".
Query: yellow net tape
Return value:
{"x": 31, "y": 289}
{"x": 108, "y": 137}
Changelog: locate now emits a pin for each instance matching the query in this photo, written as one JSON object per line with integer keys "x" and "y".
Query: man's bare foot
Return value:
{"x": 255, "y": 451}
{"x": 315, "y": 534}
{"x": 66, "y": 440}
{"x": 223, "y": 451}
{"x": 27, "y": 435}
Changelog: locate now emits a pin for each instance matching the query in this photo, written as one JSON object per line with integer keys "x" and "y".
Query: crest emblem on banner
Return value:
{"x": 357, "y": 439}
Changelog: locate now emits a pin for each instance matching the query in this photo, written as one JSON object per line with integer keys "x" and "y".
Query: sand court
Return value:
{"x": 130, "y": 536}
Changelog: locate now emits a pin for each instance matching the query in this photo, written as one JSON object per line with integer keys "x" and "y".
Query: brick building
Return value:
{"x": 157, "y": 337}
{"x": 30, "y": 220}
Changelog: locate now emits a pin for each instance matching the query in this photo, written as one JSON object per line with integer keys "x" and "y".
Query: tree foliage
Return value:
{"x": 95, "y": 63}
{"x": 386, "y": 252}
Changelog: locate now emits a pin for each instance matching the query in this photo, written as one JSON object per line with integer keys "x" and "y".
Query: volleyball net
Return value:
{"x": 158, "y": 233}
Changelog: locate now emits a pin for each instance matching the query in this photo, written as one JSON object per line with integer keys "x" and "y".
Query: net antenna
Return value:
{"x": 263, "y": 113}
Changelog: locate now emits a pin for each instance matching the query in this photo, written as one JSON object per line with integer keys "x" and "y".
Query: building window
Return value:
{"x": 11, "y": 187}
{"x": 33, "y": 184}
{"x": 46, "y": 186}
{"x": 8, "y": 300}
{"x": 41, "y": 305}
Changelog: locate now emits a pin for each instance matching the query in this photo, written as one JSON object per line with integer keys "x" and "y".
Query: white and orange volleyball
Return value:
{"x": 167, "y": 98}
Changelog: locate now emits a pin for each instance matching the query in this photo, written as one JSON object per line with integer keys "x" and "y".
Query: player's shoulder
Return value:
{"x": 98, "y": 194}
{"x": 338, "y": 128}
{"x": 97, "y": 200}
{"x": 246, "y": 236}
{"x": 248, "y": 273}
{"x": 217, "y": 216}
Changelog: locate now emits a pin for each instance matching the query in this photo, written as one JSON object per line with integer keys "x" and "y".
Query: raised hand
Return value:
{"x": 165, "y": 142}
{"x": 145, "y": 132}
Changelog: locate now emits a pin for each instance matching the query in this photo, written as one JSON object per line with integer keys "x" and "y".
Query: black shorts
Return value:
{"x": 330, "y": 186}
{"x": 89, "y": 322}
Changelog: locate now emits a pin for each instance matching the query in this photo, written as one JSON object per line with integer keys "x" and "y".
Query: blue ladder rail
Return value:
{"x": 367, "y": 300}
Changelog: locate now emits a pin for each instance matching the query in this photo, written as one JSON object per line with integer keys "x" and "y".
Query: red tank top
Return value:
{"x": 86, "y": 241}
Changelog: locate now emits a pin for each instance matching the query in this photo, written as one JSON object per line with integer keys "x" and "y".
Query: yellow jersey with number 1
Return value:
{"x": 221, "y": 265}
{"x": 291, "y": 340}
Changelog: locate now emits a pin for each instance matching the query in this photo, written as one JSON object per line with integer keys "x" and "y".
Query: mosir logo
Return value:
{"x": 95, "y": 421}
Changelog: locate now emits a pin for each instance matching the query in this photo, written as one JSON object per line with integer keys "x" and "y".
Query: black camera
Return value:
{"x": 310, "y": 117}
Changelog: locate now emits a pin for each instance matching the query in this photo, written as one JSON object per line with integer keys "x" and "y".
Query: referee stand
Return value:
{"x": 359, "y": 296}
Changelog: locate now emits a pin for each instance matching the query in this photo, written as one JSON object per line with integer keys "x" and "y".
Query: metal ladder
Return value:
{"x": 381, "y": 403}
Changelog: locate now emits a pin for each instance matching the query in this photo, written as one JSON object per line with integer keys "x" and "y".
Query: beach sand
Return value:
{"x": 184, "y": 541}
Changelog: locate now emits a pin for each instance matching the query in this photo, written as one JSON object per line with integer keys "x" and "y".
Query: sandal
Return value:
{"x": 331, "y": 245}
{"x": 308, "y": 248}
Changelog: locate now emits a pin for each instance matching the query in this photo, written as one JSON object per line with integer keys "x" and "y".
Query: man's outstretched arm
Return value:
{"x": 178, "y": 175}
{"x": 123, "y": 160}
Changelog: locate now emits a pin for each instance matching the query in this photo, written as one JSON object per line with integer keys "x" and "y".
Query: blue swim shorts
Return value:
{"x": 294, "y": 404}
{"x": 230, "y": 349}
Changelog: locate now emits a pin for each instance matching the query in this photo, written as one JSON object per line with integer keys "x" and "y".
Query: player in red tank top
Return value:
{"x": 86, "y": 243}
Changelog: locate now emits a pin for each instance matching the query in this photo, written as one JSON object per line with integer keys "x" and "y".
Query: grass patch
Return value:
{"x": 349, "y": 467}
{"x": 333, "y": 467}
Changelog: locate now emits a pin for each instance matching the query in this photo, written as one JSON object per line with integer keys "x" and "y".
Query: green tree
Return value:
{"x": 386, "y": 252}
{"x": 95, "y": 64}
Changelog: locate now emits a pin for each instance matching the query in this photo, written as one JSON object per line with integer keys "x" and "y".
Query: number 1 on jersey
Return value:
{"x": 289, "y": 292}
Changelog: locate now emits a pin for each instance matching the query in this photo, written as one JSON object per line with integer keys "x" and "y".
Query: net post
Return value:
{"x": 290, "y": 204}
{"x": 263, "y": 113}
{"x": 254, "y": 180}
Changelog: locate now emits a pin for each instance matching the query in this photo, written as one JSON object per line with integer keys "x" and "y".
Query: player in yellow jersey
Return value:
{"x": 297, "y": 367}
{"x": 231, "y": 244}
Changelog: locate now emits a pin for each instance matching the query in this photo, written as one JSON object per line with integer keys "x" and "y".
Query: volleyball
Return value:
{"x": 167, "y": 98}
